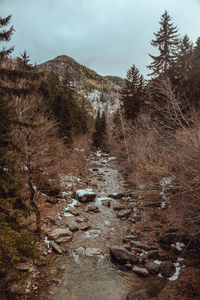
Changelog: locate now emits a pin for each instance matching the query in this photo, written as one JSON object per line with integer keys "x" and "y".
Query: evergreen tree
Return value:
{"x": 23, "y": 61}
{"x": 132, "y": 93}
{"x": 179, "y": 71}
{"x": 100, "y": 133}
{"x": 5, "y": 36}
{"x": 167, "y": 42}
{"x": 193, "y": 80}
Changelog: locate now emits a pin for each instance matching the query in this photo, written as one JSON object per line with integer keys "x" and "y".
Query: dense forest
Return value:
{"x": 155, "y": 129}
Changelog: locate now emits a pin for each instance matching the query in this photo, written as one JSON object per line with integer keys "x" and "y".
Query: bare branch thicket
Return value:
{"x": 170, "y": 148}
{"x": 42, "y": 152}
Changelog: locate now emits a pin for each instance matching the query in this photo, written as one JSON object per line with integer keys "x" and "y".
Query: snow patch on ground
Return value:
{"x": 158, "y": 262}
{"x": 47, "y": 242}
{"x": 176, "y": 274}
{"x": 73, "y": 204}
{"x": 165, "y": 182}
{"x": 179, "y": 246}
{"x": 84, "y": 192}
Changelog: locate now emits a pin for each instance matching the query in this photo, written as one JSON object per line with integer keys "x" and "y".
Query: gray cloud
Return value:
{"x": 105, "y": 35}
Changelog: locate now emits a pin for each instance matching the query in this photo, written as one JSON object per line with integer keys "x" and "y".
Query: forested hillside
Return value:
{"x": 94, "y": 90}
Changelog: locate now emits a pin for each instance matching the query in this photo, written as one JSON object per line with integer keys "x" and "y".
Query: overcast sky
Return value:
{"x": 105, "y": 35}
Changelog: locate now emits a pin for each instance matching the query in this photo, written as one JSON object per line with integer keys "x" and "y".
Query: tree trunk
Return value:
{"x": 34, "y": 206}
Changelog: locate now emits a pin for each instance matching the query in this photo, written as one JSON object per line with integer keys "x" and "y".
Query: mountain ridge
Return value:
{"x": 101, "y": 92}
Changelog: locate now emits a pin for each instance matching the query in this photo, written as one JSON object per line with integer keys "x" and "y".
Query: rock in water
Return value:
{"x": 86, "y": 195}
{"x": 106, "y": 202}
{"x": 93, "y": 209}
{"x": 122, "y": 255}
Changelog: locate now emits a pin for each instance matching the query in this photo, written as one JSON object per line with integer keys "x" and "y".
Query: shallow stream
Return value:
{"x": 90, "y": 274}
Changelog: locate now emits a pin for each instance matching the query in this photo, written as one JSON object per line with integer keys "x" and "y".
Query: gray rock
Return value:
{"x": 73, "y": 226}
{"x": 65, "y": 239}
{"x": 80, "y": 220}
{"x": 72, "y": 211}
{"x": 138, "y": 244}
{"x": 85, "y": 195}
{"x": 60, "y": 233}
{"x": 140, "y": 271}
{"x": 167, "y": 268}
{"x": 124, "y": 213}
{"x": 152, "y": 267}
{"x": 119, "y": 207}
{"x": 85, "y": 227}
{"x": 56, "y": 248}
{"x": 122, "y": 255}
{"x": 93, "y": 209}
{"x": 106, "y": 202}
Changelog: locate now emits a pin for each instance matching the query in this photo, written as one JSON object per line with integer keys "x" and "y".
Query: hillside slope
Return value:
{"x": 93, "y": 88}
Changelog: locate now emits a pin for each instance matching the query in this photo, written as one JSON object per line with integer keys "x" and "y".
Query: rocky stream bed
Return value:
{"x": 101, "y": 254}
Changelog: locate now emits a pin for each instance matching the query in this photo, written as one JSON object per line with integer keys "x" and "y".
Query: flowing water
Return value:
{"x": 90, "y": 274}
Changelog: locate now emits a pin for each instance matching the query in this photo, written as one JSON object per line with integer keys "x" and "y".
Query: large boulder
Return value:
{"x": 60, "y": 235}
{"x": 122, "y": 255}
{"x": 86, "y": 195}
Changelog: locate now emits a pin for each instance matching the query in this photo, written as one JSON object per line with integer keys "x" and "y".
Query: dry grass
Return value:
{"x": 156, "y": 150}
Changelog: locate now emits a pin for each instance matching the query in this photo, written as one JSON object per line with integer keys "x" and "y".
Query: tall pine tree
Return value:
{"x": 167, "y": 42}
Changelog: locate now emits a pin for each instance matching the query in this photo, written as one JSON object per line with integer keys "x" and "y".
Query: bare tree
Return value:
{"x": 41, "y": 149}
